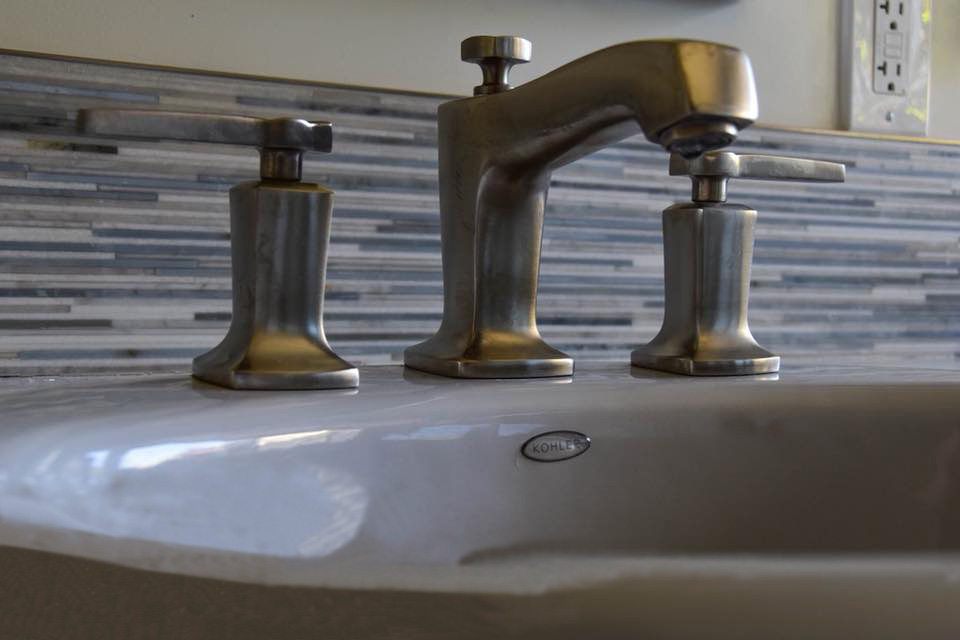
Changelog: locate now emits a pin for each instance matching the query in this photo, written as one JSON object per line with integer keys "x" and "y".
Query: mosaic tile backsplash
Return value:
{"x": 115, "y": 256}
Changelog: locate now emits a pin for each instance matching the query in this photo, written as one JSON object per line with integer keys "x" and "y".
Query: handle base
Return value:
{"x": 279, "y": 234}
{"x": 707, "y": 256}
{"x": 747, "y": 358}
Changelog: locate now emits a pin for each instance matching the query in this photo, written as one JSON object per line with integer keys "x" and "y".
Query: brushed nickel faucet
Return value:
{"x": 707, "y": 255}
{"x": 279, "y": 234}
{"x": 497, "y": 151}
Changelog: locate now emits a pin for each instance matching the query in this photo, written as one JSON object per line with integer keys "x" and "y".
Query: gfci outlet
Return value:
{"x": 885, "y": 70}
{"x": 891, "y": 39}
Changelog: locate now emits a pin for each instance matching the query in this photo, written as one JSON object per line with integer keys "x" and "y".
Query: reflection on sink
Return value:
{"x": 699, "y": 502}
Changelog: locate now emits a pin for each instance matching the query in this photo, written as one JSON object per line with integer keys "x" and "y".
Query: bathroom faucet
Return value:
{"x": 497, "y": 151}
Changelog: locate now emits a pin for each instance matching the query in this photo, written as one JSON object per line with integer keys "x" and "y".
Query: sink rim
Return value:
{"x": 539, "y": 572}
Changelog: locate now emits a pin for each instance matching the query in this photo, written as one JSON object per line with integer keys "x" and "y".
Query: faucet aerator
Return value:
{"x": 692, "y": 139}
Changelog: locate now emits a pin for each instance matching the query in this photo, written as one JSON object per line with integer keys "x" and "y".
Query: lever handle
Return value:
{"x": 711, "y": 171}
{"x": 281, "y": 141}
{"x": 496, "y": 55}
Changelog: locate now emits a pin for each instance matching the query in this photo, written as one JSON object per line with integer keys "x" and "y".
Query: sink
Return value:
{"x": 820, "y": 502}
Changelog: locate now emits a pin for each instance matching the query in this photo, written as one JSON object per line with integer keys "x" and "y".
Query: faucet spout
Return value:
{"x": 497, "y": 153}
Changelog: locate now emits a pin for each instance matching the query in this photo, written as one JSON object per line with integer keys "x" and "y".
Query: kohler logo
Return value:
{"x": 555, "y": 445}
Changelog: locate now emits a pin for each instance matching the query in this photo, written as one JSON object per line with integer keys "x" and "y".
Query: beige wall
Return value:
{"x": 414, "y": 44}
{"x": 945, "y": 85}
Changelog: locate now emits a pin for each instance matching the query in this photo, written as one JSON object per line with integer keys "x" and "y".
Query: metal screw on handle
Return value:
{"x": 281, "y": 141}
{"x": 711, "y": 171}
{"x": 496, "y": 55}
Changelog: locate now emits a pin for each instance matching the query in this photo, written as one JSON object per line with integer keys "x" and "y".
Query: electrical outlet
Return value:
{"x": 885, "y": 65}
{"x": 891, "y": 41}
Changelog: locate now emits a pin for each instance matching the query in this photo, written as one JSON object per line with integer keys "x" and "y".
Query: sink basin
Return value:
{"x": 820, "y": 502}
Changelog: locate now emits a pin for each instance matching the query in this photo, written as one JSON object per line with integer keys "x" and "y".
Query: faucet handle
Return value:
{"x": 496, "y": 55}
{"x": 281, "y": 141}
{"x": 711, "y": 171}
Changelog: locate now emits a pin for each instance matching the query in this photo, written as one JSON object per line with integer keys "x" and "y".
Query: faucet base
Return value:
{"x": 532, "y": 359}
{"x": 748, "y": 360}
{"x": 275, "y": 362}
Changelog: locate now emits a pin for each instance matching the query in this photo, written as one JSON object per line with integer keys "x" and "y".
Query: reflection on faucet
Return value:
{"x": 497, "y": 153}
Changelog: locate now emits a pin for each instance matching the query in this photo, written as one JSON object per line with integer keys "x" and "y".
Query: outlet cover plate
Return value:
{"x": 867, "y": 104}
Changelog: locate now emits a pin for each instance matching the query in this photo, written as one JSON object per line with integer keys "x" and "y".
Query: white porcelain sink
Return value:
{"x": 823, "y": 503}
